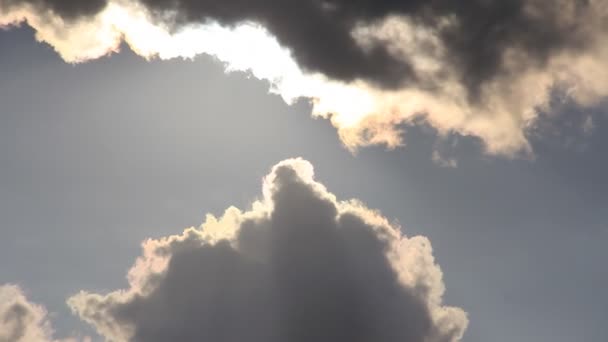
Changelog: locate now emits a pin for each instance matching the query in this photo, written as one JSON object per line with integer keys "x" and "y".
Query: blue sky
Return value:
{"x": 97, "y": 157}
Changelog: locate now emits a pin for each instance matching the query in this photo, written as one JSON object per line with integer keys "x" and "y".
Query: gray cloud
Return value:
{"x": 298, "y": 266}
{"x": 319, "y": 33}
{"x": 482, "y": 68}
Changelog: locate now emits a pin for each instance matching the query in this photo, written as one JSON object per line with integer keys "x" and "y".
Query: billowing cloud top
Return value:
{"x": 298, "y": 266}
{"x": 481, "y": 67}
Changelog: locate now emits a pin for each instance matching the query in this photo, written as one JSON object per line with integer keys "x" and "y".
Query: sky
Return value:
{"x": 107, "y": 158}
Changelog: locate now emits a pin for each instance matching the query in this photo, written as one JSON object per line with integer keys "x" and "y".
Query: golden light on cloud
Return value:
{"x": 363, "y": 112}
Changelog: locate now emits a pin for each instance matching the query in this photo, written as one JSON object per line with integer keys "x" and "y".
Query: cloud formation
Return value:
{"x": 298, "y": 266}
{"x": 22, "y": 320}
{"x": 482, "y": 68}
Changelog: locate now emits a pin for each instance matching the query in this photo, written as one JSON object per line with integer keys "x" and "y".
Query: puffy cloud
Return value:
{"x": 482, "y": 68}
{"x": 298, "y": 266}
{"x": 22, "y": 320}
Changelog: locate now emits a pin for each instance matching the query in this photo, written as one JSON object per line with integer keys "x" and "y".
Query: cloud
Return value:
{"x": 443, "y": 161}
{"x": 298, "y": 266}
{"x": 481, "y": 68}
{"x": 588, "y": 126}
{"x": 22, "y": 320}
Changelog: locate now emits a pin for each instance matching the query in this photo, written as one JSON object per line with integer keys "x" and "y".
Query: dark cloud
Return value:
{"x": 298, "y": 267}
{"x": 319, "y": 32}
{"x": 482, "y": 68}
{"x": 16, "y": 316}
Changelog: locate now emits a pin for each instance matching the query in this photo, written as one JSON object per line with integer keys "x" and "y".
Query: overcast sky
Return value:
{"x": 97, "y": 157}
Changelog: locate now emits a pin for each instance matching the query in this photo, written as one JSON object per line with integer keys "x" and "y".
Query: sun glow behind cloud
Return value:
{"x": 246, "y": 47}
{"x": 363, "y": 113}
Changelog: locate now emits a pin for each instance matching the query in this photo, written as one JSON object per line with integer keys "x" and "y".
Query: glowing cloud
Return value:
{"x": 480, "y": 68}
{"x": 298, "y": 266}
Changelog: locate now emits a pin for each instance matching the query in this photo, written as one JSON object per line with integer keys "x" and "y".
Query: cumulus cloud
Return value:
{"x": 22, "y": 320}
{"x": 481, "y": 68}
{"x": 298, "y": 266}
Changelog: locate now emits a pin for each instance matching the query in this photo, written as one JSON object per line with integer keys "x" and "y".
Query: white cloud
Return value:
{"x": 22, "y": 320}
